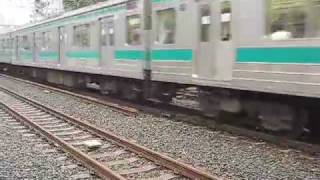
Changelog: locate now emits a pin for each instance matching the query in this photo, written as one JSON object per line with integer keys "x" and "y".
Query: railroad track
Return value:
{"x": 109, "y": 156}
{"x": 187, "y": 115}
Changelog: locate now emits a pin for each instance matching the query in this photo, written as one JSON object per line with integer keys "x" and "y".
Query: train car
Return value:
{"x": 276, "y": 67}
{"x": 192, "y": 43}
{"x": 6, "y": 48}
{"x": 105, "y": 39}
{"x": 254, "y": 59}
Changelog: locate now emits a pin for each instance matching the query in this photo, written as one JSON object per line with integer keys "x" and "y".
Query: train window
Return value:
{"x": 110, "y": 27}
{"x": 10, "y": 43}
{"x": 225, "y": 20}
{"x": 166, "y": 26}
{"x": 2, "y": 47}
{"x": 132, "y": 4}
{"x": 107, "y": 32}
{"x": 17, "y": 43}
{"x": 293, "y": 19}
{"x": 47, "y": 40}
{"x": 133, "y": 30}
{"x": 6, "y": 44}
{"x": 103, "y": 34}
{"x": 205, "y": 21}
{"x": 25, "y": 43}
{"x": 81, "y": 35}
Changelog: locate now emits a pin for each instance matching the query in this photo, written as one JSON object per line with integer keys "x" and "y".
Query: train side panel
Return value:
{"x": 126, "y": 55}
{"x": 81, "y": 46}
{"x": 6, "y": 48}
{"x": 289, "y": 65}
{"x": 172, "y": 42}
{"x": 216, "y": 35}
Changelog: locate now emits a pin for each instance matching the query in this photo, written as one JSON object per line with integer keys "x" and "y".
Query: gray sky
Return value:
{"x": 15, "y": 12}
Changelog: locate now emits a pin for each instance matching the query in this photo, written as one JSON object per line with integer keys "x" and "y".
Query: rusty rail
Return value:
{"x": 89, "y": 162}
{"x": 170, "y": 163}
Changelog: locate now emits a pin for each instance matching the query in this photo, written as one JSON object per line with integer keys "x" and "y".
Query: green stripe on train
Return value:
{"x": 5, "y": 54}
{"x": 131, "y": 55}
{"x": 162, "y": 1}
{"x": 49, "y": 55}
{"x": 173, "y": 55}
{"x": 26, "y": 55}
{"x": 83, "y": 55}
{"x": 279, "y": 55}
{"x": 180, "y": 55}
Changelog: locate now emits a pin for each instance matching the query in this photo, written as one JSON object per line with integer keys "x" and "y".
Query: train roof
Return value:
{"x": 69, "y": 14}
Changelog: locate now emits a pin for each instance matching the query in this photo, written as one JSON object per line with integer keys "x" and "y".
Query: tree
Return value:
{"x": 44, "y": 9}
{"x": 75, "y": 4}
{"x": 40, "y": 9}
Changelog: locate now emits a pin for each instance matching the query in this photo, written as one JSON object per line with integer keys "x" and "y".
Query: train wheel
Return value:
{"x": 299, "y": 123}
{"x": 131, "y": 91}
{"x": 209, "y": 104}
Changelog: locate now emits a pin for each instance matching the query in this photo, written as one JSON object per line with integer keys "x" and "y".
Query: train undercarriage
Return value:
{"x": 284, "y": 115}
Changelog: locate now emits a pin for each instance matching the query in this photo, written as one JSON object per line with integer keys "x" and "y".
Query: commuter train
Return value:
{"x": 258, "y": 59}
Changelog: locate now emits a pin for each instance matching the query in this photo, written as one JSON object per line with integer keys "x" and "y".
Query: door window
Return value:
{"x": 111, "y": 32}
{"x": 134, "y": 30}
{"x": 107, "y": 32}
{"x": 293, "y": 19}
{"x": 205, "y": 21}
{"x": 166, "y": 26}
{"x": 226, "y": 20}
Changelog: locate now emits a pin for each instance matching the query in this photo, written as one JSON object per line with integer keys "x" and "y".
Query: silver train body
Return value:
{"x": 228, "y": 49}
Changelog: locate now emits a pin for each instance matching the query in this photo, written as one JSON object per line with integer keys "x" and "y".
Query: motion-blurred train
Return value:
{"x": 257, "y": 58}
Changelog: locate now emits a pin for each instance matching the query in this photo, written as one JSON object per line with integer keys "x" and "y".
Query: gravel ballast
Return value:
{"x": 25, "y": 155}
{"x": 218, "y": 152}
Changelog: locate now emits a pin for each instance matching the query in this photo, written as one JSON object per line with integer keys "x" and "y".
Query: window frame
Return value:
{"x": 139, "y": 30}
{"x": 85, "y": 28}
{"x": 2, "y": 46}
{"x": 201, "y": 24}
{"x": 157, "y": 26}
{"x": 268, "y": 24}
{"x": 112, "y": 40}
{"x": 106, "y": 39}
{"x": 224, "y": 37}
{"x": 47, "y": 40}
{"x": 24, "y": 44}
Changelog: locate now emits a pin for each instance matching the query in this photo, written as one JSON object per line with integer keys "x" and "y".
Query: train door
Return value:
{"x": 215, "y": 52}
{"x": 173, "y": 41}
{"x": 16, "y": 48}
{"x": 107, "y": 40}
{"x": 225, "y": 53}
{"x": 204, "y": 65}
{"x": 34, "y": 47}
{"x": 61, "y": 44}
{"x": 11, "y": 45}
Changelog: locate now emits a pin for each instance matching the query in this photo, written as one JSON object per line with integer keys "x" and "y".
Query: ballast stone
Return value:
{"x": 92, "y": 144}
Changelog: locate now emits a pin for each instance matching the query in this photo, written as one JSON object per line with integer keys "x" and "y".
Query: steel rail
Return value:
{"x": 309, "y": 148}
{"x": 170, "y": 163}
{"x": 101, "y": 170}
{"x": 128, "y": 111}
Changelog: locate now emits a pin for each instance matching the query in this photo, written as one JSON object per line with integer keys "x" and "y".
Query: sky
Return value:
{"x": 15, "y": 12}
